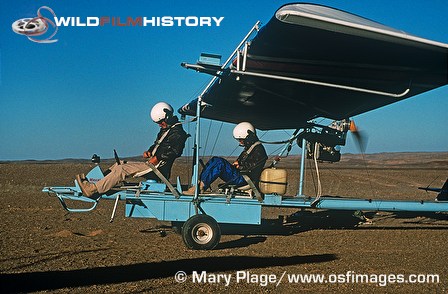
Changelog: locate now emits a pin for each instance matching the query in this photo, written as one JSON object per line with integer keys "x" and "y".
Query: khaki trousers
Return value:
{"x": 118, "y": 174}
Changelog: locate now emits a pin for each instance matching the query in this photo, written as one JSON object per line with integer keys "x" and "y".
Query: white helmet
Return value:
{"x": 161, "y": 111}
{"x": 241, "y": 131}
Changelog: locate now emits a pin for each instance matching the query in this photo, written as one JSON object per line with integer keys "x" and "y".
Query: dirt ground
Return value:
{"x": 46, "y": 249}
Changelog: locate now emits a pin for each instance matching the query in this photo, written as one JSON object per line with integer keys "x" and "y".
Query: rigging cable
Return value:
{"x": 188, "y": 122}
{"x": 432, "y": 182}
{"x": 217, "y": 136}
{"x": 310, "y": 166}
{"x": 236, "y": 147}
{"x": 206, "y": 138}
{"x": 368, "y": 172}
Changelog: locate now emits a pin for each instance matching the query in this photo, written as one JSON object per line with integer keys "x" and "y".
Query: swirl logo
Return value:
{"x": 36, "y": 26}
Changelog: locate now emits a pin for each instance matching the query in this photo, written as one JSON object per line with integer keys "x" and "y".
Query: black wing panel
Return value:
{"x": 308, "y": 42}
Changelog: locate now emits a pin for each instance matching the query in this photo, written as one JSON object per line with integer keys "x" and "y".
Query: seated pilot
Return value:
{"x": 168, "y": 146}
{"x": 250, "y": 161}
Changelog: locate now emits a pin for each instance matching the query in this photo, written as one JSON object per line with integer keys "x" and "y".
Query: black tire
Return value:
{"x": 201, "y": 232}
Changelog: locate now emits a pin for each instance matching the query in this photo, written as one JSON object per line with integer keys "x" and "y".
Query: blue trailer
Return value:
{"x": 200, "y": 217}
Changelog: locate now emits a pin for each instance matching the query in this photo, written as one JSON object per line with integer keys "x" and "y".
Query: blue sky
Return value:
{"x": 92, "y": 91}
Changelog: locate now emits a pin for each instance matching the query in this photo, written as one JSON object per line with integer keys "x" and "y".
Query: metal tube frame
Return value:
{"x": 302, "y": 169}
{"x": 278, "y": 77}
{"x": 199, "y": 104}
{"x": 139, "y": 204}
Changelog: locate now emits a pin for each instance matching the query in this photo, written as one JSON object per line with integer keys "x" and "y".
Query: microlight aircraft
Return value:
{"x": 313, "y": 61}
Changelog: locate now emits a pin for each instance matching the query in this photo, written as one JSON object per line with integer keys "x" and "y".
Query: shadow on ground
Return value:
{"x": 52, "y": 280}
{"x": 283, "y": 226}
{"x": 303, "y": 221}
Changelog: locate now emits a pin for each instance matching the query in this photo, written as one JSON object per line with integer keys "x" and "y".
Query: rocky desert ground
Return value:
{"x": 45, "y": 249}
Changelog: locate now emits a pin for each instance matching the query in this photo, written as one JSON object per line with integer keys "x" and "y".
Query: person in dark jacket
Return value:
{"x": 251, "y": 162}
{"x": 169, "y": 145}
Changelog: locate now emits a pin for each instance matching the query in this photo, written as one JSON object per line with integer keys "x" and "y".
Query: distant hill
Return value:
{"x": 438, "y": 160}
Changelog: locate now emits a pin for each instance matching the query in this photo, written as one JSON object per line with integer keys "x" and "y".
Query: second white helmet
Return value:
{"x": 241, "y": 130}
{"x": 161, "y": 111}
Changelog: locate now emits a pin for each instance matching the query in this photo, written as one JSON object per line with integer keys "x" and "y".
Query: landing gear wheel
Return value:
{"x": 201, "y": 232}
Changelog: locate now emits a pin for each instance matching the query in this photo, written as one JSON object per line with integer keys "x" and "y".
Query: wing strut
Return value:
{"x": 263, "y": 75}
{"x": 199, "y": 104}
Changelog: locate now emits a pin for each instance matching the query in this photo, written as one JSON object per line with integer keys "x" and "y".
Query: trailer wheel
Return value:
{"x": 201, "y": 232}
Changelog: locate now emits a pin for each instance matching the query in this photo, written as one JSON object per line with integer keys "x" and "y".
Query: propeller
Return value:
{"x": 359, "y": 136}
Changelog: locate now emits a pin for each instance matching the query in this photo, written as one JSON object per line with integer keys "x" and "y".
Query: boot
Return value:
{"x": 192, "y": 189}
{"x": 88, "y": 189}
